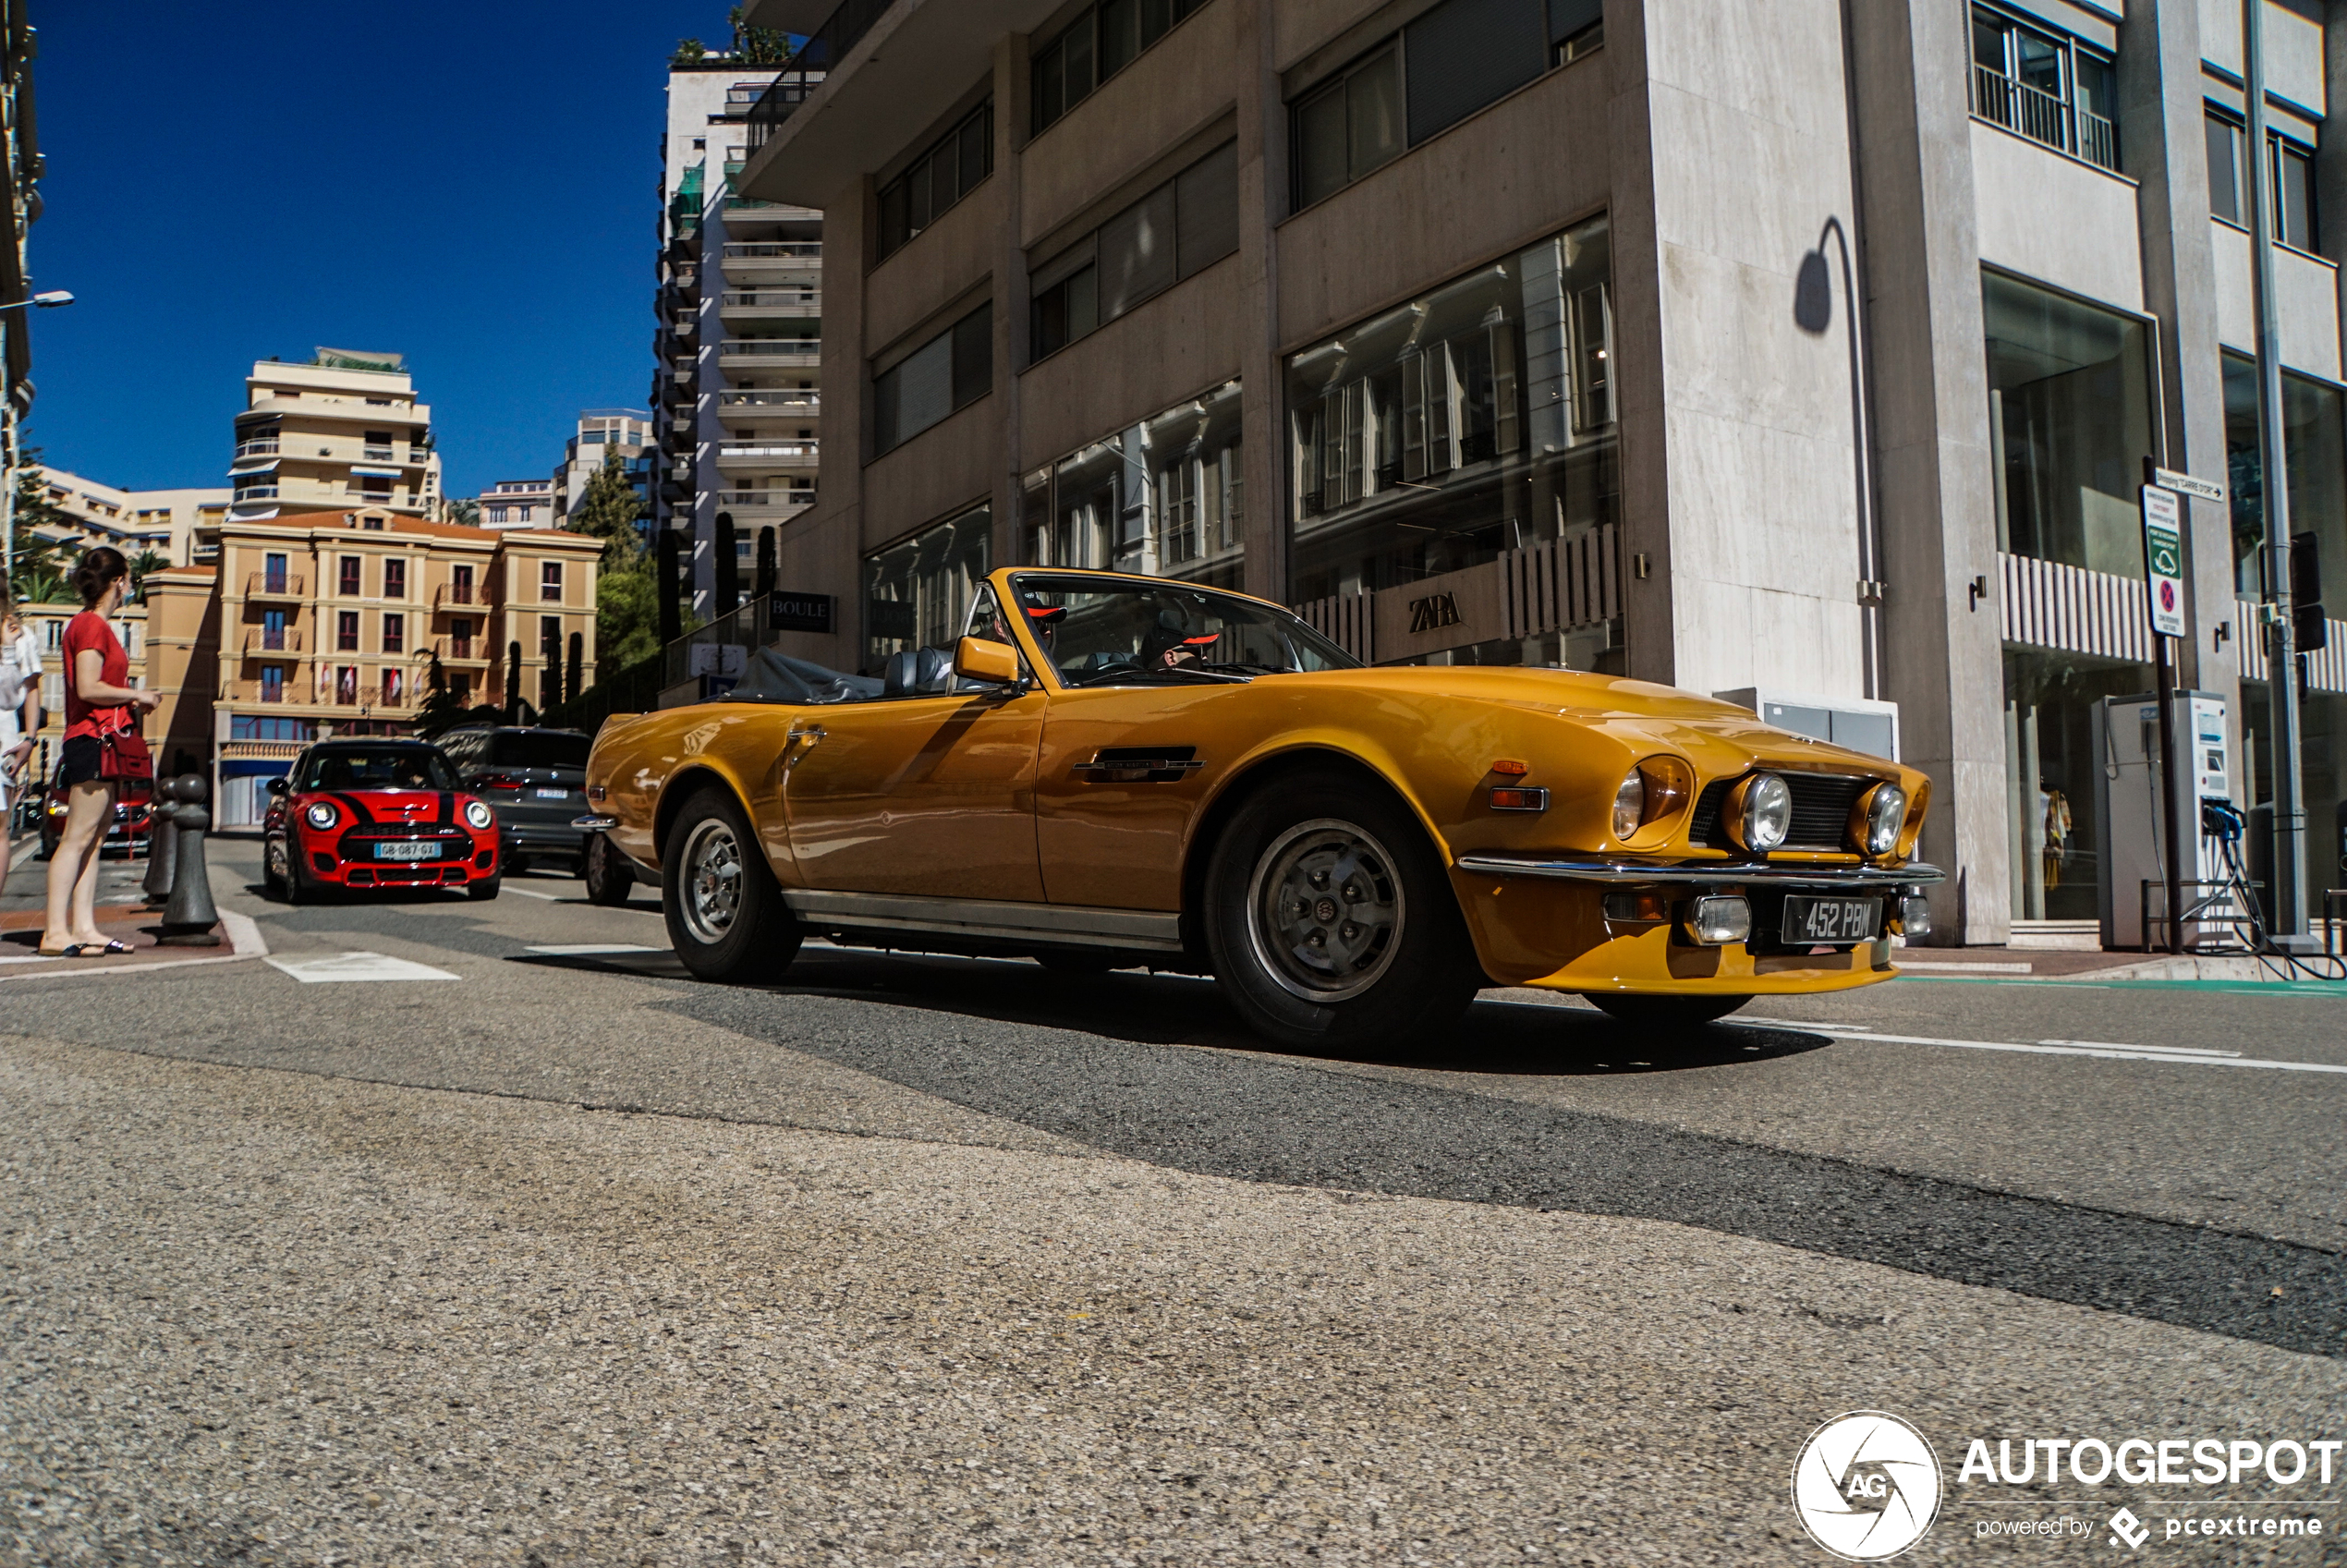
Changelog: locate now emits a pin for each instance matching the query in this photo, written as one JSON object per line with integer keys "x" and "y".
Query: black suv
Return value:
{"x": 534, "y": 779}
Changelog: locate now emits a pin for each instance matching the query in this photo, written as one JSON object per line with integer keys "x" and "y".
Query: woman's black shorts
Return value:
{"x": 81, "y": 759}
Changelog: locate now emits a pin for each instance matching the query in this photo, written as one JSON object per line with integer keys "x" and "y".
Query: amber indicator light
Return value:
{"x": 1519, "y": 800}
{"x": 1509, "y": 768}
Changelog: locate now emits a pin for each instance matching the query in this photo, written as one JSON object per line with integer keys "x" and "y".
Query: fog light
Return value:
{"x": 1715, "y": 922}
{"x": 1914, "y": 916}
{"x": 1637, "y": 909}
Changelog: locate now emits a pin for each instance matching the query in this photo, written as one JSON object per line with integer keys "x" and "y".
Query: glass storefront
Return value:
{"x": 2322, "y": 744}
{"x": 2315, "y": 441}
{"x": 1474, "y": 419}
{"x": 2069, "y": 420}
{"x": 916, "y": 594}
{"x": 2050, "y": 776}
{"x": 1164, "y": 498}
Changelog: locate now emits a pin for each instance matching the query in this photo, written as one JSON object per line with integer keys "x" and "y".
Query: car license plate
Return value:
{"x": 1838, "y": 920}
{"x": 553, "y": 794}
{"x": 406, "y": 852}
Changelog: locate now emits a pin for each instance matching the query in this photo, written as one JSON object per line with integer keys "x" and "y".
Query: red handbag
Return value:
{"x": 123, "y": 756}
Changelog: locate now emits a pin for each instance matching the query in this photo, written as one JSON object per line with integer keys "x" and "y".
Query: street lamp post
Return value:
{"x": 48, "y": 300}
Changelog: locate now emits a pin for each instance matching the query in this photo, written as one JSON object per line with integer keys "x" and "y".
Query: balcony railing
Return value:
{"x": 2044, "y": 118}
{"x": 766, "y": 500}
{"x": 775, "y": 250}
{"x": 805, "y": 299}
{"x": 453, "y": 593}
{"x": 256, "y": 493}
{"x": 829, "y": 45}
{"x": 791, "y": 347}
{"x": 273, "y": 585}
{"x": 282, "y": 639}
{"x": 797, "y": 398}
{"x": 260, "y": 447}
{"x": 806, "y": 449}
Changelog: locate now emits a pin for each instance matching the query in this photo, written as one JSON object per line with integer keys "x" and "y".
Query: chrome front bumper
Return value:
{"x": 594, "y": 824}
{"x": 1698, "y": 873}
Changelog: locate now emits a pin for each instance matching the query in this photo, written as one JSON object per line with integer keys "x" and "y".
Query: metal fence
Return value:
{"x": 2043, "y": 118}
{"x": 825, "y": 47}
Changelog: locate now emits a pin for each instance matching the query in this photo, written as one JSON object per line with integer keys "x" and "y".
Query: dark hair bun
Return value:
{"x": 99, "y": 569}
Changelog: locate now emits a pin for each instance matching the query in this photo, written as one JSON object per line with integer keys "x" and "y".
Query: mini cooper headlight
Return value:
{"x": 479, "y": 815}
{"x": 1886, "y": 814}
{"x": 320, "y": 814}
{"x": 1768, "y": 812}
{"x": 1630, "y": 805}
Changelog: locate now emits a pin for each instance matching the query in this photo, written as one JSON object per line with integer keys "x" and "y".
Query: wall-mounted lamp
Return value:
{"x": 1975, "y": 592}
{"x": 2224, "y": 634}
{"x": 1640, "y": 567}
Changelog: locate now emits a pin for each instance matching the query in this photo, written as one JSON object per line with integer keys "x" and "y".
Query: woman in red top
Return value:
{"x": 97, "y": 671}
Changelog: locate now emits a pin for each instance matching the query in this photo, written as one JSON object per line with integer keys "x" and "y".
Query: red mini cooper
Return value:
{"x": 376, "y": 814}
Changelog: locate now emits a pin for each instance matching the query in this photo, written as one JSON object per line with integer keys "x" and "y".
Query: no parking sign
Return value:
{"x": 2164, "y": 559}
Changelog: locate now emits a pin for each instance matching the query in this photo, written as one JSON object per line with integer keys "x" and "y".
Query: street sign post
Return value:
{"x": 2164, "y": 558}
{"x": 2184, "y": 484}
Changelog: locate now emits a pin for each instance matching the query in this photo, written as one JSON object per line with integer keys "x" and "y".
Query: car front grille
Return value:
{"x": 1821, "y": 804}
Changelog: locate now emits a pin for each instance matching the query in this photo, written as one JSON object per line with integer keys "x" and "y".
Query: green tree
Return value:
{"x": 758, "y": 45}
{"x": 689, "y": 50}
{"x": 142, "y": 564}
{"x": 627, "y": 607}
{"x": 464, "y": 514}
{"x": 41, "y": 570}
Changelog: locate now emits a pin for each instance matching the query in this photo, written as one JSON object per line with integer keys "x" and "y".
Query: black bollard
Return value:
{"x": 189, "y": 919}
{"x": 163, "y": 842}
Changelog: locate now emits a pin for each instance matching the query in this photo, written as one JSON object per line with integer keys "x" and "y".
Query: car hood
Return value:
{"x": 419, "y": 806}
{"x": 1717, "y": 737}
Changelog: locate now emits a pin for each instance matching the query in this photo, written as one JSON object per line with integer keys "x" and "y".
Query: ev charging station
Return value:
{"x": 2132, "y": 831}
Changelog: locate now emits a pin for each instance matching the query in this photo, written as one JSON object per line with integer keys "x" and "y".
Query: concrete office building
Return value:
{"x": 603, "y": 432}
{"x": 736, "y": 397}
{"x": 520, "y": 504}
{"x": 344, "y": 430}
{"x": 1521, "y": 331}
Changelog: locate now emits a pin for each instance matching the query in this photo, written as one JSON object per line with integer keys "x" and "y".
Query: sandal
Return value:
{"x": 70, "y": 950}
{"x": 112, "y": 946}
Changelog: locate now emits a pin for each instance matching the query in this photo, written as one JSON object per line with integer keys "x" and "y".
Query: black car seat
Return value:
{"x": 915, "y": 672}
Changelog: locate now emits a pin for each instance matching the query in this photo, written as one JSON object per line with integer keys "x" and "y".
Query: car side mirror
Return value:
{"x": 977, "y": 659}
{"x": 277, "y": 785}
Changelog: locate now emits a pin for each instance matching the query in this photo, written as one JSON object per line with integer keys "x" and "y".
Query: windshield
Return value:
{"x": 385, "y": 766}
{"x": 1102, "y": 632}
{"x": 538, "y": 749}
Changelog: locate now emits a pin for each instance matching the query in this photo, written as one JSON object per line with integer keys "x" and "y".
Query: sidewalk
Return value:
{"x": 123, "y": 915}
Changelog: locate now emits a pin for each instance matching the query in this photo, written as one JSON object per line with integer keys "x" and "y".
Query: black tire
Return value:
{"x": 606, "y": 873}
{"x": 273, "y": 882}
{"x": 726, "y": 917}
{"x": 1074, "y": 961}
{"x": 1644, "y": 1011}
{"x": 1298, "y": 966}
{"x": 481, "y": 889}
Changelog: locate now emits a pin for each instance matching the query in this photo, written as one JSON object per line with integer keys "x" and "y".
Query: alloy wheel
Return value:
{"x": 712, "y": 890}
{"x": 1325, "y": 910}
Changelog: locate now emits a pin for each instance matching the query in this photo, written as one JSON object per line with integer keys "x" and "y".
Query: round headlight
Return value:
{"x": 1768, "y": 812}
{"x": 320, "y": 814}
{"x": 480, "y": 816}
{"x": 1886, "y": 814}
{"x": 1630, "y": 805}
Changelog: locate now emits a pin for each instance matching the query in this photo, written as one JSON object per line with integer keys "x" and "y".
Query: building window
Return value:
{"x": 273, "y": 574}
{"x": 2044, "y": 85}
{"x": 347, "y": 685}
{"x": 2293, "y": 195}
{"x": 1164, "y": 498}
{"x": 460, "y": 639}
{"x": 346, "y": 631}
{"x": 461, "y": 688}
{"x": 2314, "y": 416}
{"x": 272, "y": 631}
{"x": 1407, "y": 88}
{"x": 2226, "y": 176}
{"x": 2292, "y": 174}
{"x": 943, "y": 175}
{"x": 917, "y": 593}
{"x": 498, "y": 513}
{"x": 395, "y": 578}
{"x": 1184, "y": 226}
{"x": 2069, "y": 424}
{"x": 550, "y": 581}
{"x": 950, "y": 371}
{"x": 346, "y": 577}
{"x": 460, "y": 585}
{"x": 1097, "y": 45}
{"x": 395, "y": 686}
{"x": 394, "y": 634}
{"x": 272, "y": 683}
{"x": 1476, "y": 419}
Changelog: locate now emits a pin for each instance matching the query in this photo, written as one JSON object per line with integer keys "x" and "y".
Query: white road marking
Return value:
{"x": 1965, "y": 968}
{"x": 243, "y": 934}
{"x": 33, "y": 958}
{"x": 2119, "y": 1045}
{"x": 529, "y": 893}
{"x": 357, "y": 966}
{"x": 587, "y": 949}
{"x": 2106, "y": 1052}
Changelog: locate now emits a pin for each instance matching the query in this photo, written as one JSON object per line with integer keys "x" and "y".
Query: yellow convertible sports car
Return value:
{"x": 1113, "y": 771}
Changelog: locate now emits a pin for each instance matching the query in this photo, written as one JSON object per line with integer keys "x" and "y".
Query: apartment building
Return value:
{"x": 87, "y": 513}
{"x": 736, "y": 399}
{"x": 330, "y": 623}
{"x": 520, "y": 503}
{"x": 344, "y": 430}
{"x": 1523, "y": 330}
{"x": 602, "y": 434}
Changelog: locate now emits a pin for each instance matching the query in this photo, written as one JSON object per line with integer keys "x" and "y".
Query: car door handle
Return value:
{"x": 811, "y": 735}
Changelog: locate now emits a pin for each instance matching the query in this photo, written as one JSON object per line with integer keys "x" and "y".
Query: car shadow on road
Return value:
{"x": 1494, "y": 1036}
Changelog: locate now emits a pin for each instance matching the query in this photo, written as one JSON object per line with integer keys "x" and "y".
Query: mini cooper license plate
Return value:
{"x": 552, "y": 793}
{"x": 1840, "y": 921}
{"x": 406, "y": 852}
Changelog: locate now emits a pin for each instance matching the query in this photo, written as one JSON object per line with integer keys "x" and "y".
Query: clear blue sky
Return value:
{"x": 472, "y": 184}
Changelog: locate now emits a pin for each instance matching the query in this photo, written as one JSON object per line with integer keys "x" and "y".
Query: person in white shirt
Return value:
{"x": 19, "y": 718}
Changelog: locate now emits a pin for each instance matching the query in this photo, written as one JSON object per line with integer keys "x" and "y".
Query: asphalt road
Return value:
{"x": 568, "y": 1259}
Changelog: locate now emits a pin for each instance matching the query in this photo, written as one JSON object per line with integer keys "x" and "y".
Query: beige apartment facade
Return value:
{"x": 344, "y": 430}
{"x": 165, "y": 521}
{"x": 330, "y": 623}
